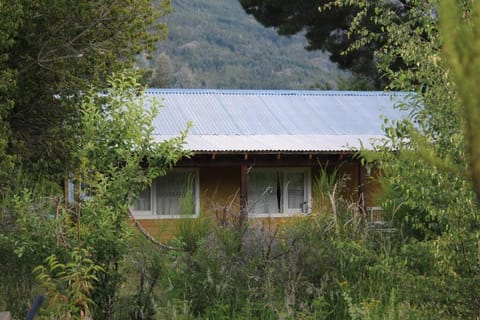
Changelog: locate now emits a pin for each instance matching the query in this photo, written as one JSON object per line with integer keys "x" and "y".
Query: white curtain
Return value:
{"x": 295, "y": 189}
{"x": 143, "y": 202}
{"x": 265, "y": 192}
{"x": 174, "y": 193}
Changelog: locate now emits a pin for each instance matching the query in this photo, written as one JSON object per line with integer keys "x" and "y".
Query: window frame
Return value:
{"x": 151, "y": 214}
{"x": 307, "y": 184}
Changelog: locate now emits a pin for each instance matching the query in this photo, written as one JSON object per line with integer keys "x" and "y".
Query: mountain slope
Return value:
{"x": 215, "y": 44}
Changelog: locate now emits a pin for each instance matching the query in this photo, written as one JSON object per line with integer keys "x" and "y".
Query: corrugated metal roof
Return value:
{"x": 275, "y": 120}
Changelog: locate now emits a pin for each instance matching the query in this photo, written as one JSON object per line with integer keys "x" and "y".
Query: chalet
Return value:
{"x": 260, "y": 150}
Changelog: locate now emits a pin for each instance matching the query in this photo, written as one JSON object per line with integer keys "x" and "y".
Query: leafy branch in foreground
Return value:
{"x": 69, "y": 284}
{"x": 459, "y": 29}
{"x": 116, "y": 156}
{"x": 59, "y": 48}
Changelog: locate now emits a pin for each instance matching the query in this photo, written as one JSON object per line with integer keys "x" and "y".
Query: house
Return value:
{"x": 260, "y": 150}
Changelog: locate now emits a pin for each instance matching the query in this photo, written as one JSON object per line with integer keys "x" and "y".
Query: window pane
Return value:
{"x": 175, "y": 194}
{"x": 143, "y": 202}
{"x": 265, "y": 192}
{"x": 295, "y": 189}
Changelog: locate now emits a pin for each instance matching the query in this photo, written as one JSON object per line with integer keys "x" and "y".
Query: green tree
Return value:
{"x": 324, "y": 30}
{"x": 459, "y": 29}
{"x": 327, "y": 29}
{"x": 185, "y": 78}
{"x": 10, "y": 16}
{"x": 436, "y": 127}
{"x": 162, "y": 74}
{"x": 52, "y": 51}
{"x": 428, "y": 193}
{"x": 225, "y": 48}
{"x": 116, "y": 142}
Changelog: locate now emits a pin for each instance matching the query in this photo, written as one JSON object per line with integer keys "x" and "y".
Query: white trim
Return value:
{"x": 307, "y": 193}
{"x": 151, "y": 214}
{"x": 162, "y": 217}
{"x": 276, "y": 215}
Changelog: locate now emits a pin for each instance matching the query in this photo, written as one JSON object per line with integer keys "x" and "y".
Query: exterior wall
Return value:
{"x": 220, "y": 189}
{"x": 160, "y": 229}
{"x": 373, "y": 188}
{"x": 351, "y": 190}
{"x": 350, "y": 171}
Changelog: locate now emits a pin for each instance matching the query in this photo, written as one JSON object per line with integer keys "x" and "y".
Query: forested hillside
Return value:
{"x": 215, "y": 44}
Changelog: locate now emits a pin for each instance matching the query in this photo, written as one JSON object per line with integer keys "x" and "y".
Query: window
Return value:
{"x": 79, "y": 189}
{"x": 279, "y": 191}
{"x": 174, "y": 195}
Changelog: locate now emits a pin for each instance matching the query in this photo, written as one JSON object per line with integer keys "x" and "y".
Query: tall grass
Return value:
{"x": 299, "y": 270}
{"x": 191, "y": 230}
{"x": 328, "y": 265}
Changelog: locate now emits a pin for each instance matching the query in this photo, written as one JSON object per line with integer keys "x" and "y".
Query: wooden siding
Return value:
{"x": 373, "y": 188}
{"x": 220, "y": 189}
{"x": 350, "y": 171}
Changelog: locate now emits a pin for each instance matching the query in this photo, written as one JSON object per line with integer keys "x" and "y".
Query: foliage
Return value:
{"x": 162, "y": 72}
{"x": 27, "y": 233}
{"x": 191, "y": 231}
{"x": 322, "y": 266}
{"x": 325, "y": 30}
{"x": 10, "y": 15}
{"x": 330, "y": 265}
{"x": 62, "y": 112}
{"x": 459, "y": 30}
{"x": 147, "y": 270}
{"x": 327, "y": 185}
{"x": 51, "y": 52}
{"x": 69, "y": 285}
{"x": 427, "y": 189}
{"x": 116, "y": 141}
{"x": 329, "y": 28}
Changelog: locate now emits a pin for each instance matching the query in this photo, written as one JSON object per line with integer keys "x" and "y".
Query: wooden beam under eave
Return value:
{"x": 259, "y": 162}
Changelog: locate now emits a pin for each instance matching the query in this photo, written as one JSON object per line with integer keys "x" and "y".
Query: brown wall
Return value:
{"x": 350, "y": 171}
{"x": 351, "y": 189}
{"x": 220, "y": 187}
{"x": 373, "y": 188}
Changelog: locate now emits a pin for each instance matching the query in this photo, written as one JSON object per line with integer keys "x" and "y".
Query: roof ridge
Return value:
{"x": 274, "y": 92}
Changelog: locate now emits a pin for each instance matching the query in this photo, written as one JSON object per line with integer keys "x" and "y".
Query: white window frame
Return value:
{"x": 150, "y": 214}
{"x": 307, "y": 183}
{"x": 84, "y": 192}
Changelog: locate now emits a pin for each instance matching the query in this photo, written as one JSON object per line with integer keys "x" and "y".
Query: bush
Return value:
{"x": 299, "y": 270}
